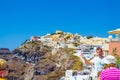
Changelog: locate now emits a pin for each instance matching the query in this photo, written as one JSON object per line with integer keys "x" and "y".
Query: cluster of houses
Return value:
{"x": 67, "y": 40}
{"x": 108, "y": 48}
{"x": 25, "y": 57}
{"x": 63, "y": 40}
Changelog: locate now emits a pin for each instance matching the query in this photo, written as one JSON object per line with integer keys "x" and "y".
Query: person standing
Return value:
{"x": 96, "y": 63}
{"x": 3, "y": 69}
{"x": 110, "y": 72}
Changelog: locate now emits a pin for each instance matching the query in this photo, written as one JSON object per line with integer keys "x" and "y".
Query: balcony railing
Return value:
{"x": 115, "y": 40}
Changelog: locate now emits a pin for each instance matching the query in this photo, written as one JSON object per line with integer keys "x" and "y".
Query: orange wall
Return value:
{"x": 113, "y": 45}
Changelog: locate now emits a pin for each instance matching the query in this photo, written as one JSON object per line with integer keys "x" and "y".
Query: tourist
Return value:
{"x": 96, "y": 63}
{"x": 110, "y": 72}
{"x": 3, "y": 69}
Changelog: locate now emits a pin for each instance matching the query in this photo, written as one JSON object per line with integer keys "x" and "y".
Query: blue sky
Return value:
{"x": 21, "y": 19}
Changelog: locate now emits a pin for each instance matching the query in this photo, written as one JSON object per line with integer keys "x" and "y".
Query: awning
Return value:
{"x": 117, "y": 31}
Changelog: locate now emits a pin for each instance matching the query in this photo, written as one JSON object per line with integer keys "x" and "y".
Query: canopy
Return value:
{"x": 117, "y": 31}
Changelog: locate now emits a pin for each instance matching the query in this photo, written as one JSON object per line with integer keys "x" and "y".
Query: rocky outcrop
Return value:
{"x": 34, "y": 60}
{"x": 29, "y": 73}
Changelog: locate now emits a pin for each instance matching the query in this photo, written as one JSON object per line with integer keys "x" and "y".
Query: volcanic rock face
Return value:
{"x": 35, "y": 61}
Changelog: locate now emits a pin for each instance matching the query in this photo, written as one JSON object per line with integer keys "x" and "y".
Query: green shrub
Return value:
{"x": 77, "y": 65}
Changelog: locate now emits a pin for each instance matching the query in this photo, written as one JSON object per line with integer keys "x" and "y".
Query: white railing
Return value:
{"x": 114, "y": 39}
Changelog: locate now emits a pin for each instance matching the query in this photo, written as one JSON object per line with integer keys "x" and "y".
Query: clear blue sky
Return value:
{"x": 20, "y": 19}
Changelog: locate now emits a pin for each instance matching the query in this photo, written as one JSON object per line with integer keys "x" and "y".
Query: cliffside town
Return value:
{"x": 48, "y": 57}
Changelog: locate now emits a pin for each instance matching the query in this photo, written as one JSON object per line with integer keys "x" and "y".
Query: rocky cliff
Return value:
{"x": 38, "y": 60}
